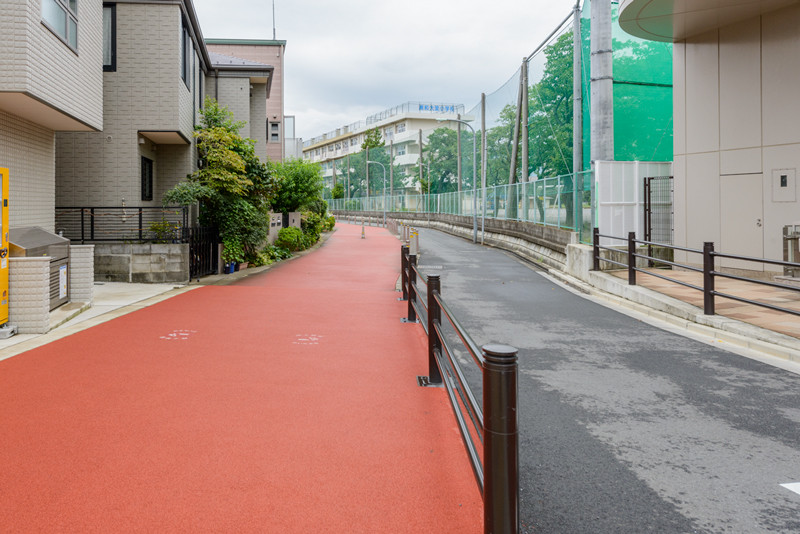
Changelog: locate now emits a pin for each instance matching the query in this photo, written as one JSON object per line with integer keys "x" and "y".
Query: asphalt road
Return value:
{"x": 625, "y": 427}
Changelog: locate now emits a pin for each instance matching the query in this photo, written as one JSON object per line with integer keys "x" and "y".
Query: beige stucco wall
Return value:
{"x": 274, "y": 111}
{"x": 146, "y": 93}
{"x": 34, "y": 61}
{"x": 28, "y": 151}
{"x": 736, "y": 116}
{"x": 258, "y": 126}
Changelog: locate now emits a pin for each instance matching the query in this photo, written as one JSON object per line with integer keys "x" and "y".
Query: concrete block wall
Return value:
{"x": 81, "y": 273}
{"x": 29, "y": 294}
{"x": 142, "y": 263}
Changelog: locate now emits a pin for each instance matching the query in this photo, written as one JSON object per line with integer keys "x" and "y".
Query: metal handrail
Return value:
{"x": 494, "y": 420}
{"x": 708, "y": 270}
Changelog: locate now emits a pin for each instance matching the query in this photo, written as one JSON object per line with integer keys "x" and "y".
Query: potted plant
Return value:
{"x": 232, "y": 253}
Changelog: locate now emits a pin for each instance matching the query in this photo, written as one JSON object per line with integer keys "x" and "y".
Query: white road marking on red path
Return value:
{"x": 178, "y": 335}
{"x": 307, "y": 339}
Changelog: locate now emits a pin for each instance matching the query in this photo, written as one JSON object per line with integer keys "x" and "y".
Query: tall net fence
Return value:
{"x": 512, "y": 154}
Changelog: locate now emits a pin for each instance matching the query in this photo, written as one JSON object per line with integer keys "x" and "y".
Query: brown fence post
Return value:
{"x": 501, "y": 440}
{"x": 434, "y": 316}
{"x": 404, "y": 271}
{"x": 708, "y": 278}
{"x": 595, "y": 249}
{"x": 412, "y": 293}
{"x": 632, "y": 258}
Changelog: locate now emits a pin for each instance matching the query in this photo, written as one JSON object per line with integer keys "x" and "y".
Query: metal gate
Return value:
{"x": 658, "y": 212}
{"x": 203, "y": 251}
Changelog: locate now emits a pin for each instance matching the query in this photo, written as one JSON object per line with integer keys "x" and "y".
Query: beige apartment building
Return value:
{"x": 736, "y": 115}
{"x": 399, "y": 127}
{"x": 51, "y": 81}
{"x": 98, "y": 105}
{"x": 265, "y": 123}
{"x": 157, "y": 71}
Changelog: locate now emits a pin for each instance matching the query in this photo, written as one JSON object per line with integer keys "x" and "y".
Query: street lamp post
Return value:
{"x": 474, "y": 178}
{"x": 384, "y": 189}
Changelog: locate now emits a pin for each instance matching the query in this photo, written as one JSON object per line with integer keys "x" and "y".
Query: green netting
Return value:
{"x": 642, "y": 94}
{"x": 549, "y": 191}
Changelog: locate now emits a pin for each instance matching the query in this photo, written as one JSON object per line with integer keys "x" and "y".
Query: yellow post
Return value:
{"x": 4, "y": 248}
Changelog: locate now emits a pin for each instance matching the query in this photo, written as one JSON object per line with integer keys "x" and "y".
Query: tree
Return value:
{"x": 441, "y": 153}
{"x": 372, "y": 139}
{"x": 234, "y": 188}
{"x": 300, "y": 184}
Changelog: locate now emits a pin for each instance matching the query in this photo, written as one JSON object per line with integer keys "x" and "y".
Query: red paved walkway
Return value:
{"x": 285, "y": 403}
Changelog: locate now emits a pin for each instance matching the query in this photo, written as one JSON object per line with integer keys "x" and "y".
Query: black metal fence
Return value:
{"x": 122, "y": 224}
{"x": 658, "y": 213}
{"x": 203, "y": 250}
{"x": 494, "y": 420}
{"x": 708, "y": 270}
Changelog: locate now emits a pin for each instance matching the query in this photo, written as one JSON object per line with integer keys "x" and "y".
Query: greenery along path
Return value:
{"x": 285, "y": 403}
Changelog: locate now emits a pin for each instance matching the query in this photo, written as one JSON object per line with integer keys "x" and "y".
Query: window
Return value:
{"x": 109, "y": 37}
{"x": 147, "y": 178}
{"x": 354, "y": 141}
{"x": 275, "y": 132}
{"x": 401, "y": 127}
{"x": 401, "y": 150}
{"x": 388, "y": 133}
{"x": 186, "y": 52}
{"x": 61, "y": 17}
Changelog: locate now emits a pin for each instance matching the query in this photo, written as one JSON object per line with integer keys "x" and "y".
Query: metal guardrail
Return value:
{"x": 494, "y": 420}
{"x": 709, "y": 269}
{"x": 116, "y": 223}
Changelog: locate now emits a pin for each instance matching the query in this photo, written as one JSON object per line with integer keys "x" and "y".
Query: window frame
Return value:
{"x": 111, "y": 67}
{"x": 186, "y": 50}
{"x": 69, "y": 15}
{"x": 147, "y": 172}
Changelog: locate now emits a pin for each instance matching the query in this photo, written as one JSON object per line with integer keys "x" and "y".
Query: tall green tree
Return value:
{"x": 233, "y": 187}
{"x": 300, "y": 184}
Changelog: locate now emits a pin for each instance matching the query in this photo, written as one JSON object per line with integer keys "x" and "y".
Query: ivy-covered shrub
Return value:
{"x": 291, "y": 238}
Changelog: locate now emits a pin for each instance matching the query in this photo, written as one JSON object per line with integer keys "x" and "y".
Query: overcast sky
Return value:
{"x": 346, "y": 59}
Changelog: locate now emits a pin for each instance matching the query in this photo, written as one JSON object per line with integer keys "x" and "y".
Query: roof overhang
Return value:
{"x": 33, "y": 109}
{"x": 165, "y": 137}
{"x": 676, "y": 20}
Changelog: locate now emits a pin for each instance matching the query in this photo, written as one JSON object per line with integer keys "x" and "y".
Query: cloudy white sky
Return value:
{"x": 346, "y": 59}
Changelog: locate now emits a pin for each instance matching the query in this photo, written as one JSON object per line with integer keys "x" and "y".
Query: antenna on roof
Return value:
{"x": 274, "y": 38}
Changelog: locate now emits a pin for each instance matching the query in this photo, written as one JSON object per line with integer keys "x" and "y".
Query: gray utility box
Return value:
{"x": 32, "y": 241}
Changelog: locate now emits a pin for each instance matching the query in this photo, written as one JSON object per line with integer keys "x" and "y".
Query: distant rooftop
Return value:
{"x": 224, "y": 60}
{"x": 257, "y": 42}
{"x": 433, "y": 108}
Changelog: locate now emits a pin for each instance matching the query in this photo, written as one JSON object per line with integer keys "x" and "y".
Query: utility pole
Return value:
{"x": 602, "y": 84}
{"x": 577, "y": 117}
{"x": 391, "y": 168}
{"x": 483, "y": 165}
{"x": 458, "y": 157}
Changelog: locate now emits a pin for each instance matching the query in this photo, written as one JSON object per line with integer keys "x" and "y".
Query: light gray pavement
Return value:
{"x": 627, "y": 424}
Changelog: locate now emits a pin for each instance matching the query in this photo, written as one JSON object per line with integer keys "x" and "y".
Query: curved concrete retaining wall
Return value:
{"x": 541, "y": 244}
